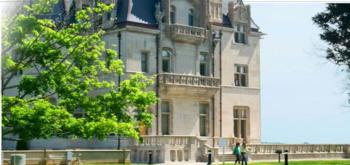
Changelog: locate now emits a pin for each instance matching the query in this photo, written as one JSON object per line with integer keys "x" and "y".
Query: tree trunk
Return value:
{"x": 22, "y": 144}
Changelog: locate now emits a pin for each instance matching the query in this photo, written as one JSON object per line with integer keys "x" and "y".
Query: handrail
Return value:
{"x": 188, "y": 30}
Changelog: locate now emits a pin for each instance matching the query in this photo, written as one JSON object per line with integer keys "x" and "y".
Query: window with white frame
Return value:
{"x": 240, "y": 33}
{"x": 144, "y": 62}
{"x": 204, "y": 64}
{"x": 166, "y": 59}
{"x": 203, "y": 119}
{"x": 241, "y": 75}
{"x": 165, "y": 117}
{"x": 240, "y": 121}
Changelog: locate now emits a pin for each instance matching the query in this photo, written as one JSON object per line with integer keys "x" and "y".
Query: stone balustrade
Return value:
{"x": 187, "y": 33}
{"x": 298, "y": 148}
{"x": 231, "y": 141}
{"x": 189, "y": 80}
{"x": 170, "y": 140}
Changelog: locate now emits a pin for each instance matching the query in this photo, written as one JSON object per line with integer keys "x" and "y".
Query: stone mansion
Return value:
{"x": 207, "y": 63}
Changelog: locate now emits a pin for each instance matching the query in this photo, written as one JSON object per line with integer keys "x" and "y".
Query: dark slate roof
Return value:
{"x": 137, "y": 11}
{"x": 133, "y": 12}
{"x": 226, "y": 21}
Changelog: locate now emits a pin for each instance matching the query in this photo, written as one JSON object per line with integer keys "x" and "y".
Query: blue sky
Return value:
{"x": 302, "y": 93}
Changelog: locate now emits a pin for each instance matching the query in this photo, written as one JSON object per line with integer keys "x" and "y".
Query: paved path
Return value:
{"x": 184, "y": 163}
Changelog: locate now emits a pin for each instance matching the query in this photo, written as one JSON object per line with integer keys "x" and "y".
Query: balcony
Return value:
{"x": 178, "y": 84}
{"x": 185, "y": 33}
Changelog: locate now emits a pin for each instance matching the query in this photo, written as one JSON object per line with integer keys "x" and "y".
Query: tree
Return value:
{"x": 335, "y": 24}
{"x": 68, "y": 61}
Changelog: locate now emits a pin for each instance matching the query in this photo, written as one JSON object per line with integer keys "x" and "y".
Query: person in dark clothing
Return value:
{"x": 244, "y": 154}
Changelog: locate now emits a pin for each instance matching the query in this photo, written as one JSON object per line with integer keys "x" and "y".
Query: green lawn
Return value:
{"x": 316, "y": 162}
{"x": 319, "y": 162}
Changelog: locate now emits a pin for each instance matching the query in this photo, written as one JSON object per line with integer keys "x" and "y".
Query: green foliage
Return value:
{"x": 335, "y": 24}
{"x": 72, "y": 63}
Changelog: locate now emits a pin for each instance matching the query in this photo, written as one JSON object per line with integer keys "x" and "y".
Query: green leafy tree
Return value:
{"x": 335, "y": 25}
{"x": 68, "y": 61}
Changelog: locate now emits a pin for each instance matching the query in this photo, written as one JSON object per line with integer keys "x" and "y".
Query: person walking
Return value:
{"x": 237, "y": 153}
{"x": 244, "y": 154}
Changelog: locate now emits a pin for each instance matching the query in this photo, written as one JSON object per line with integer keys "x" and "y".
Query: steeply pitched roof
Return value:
{"x": 137, "y": 11}
{"x": 141, "y": 12}
{"x": 226, "y": 21}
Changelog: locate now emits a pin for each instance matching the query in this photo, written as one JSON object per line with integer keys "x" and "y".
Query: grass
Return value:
{"x": 311, "y": 162}
{"x": 308, "y": 162}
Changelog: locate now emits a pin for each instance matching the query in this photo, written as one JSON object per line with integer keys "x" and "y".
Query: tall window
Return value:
{"x": 144, "y": 62}
{"x": 172, "y": 14}
{"x": 204, "y": 64}
{"x": 53, "y": 100}
{"x": 166, "y": 60}
{"x": 241, "y": 75}
{"x": 18, "y": 72}
{"x": 190, "y": 17}
{"x": 165, "y": 117}
{"x": 240, "y": 33}
{"x": 108, "y": 16}
{"x": 203, "y": 119}
{"x": 240, "y": 119}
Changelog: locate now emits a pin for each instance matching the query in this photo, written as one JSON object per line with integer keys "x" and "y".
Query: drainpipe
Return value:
{"x": 213, "y": 117}
{"x": 213, "y": 75}
{"x": 119, "y": 52}
{"x": 119, "y": 79}
{"x": 220, "y": 35}
{"x": 157, "y": 82}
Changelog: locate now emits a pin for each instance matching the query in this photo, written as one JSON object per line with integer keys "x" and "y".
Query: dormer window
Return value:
{"x": 240, "y": 33}
{"x": 172, "y": 14}
{"x": 190, "y": 17}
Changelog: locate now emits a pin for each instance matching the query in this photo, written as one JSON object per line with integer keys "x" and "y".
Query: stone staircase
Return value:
{"x": 163, "y": 149}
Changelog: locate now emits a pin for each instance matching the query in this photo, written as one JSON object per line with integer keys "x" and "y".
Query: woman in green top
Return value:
{"x": 237, "y": 153}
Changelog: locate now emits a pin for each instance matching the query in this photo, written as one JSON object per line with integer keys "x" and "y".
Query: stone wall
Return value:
{"x": 48, "y": 157}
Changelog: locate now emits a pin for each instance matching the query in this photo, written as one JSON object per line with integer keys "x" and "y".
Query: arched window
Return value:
{"x": 172, "y": 14}
{"x": 190, "y": 17}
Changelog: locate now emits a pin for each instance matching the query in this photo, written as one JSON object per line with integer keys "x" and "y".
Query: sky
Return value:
{"x": 302, "y": 94}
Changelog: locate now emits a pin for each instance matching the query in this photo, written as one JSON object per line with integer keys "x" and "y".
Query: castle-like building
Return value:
{"x": 207, "y": 64}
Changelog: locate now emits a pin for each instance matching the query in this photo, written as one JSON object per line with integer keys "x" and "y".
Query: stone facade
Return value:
{"x": 187, "y": 43}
